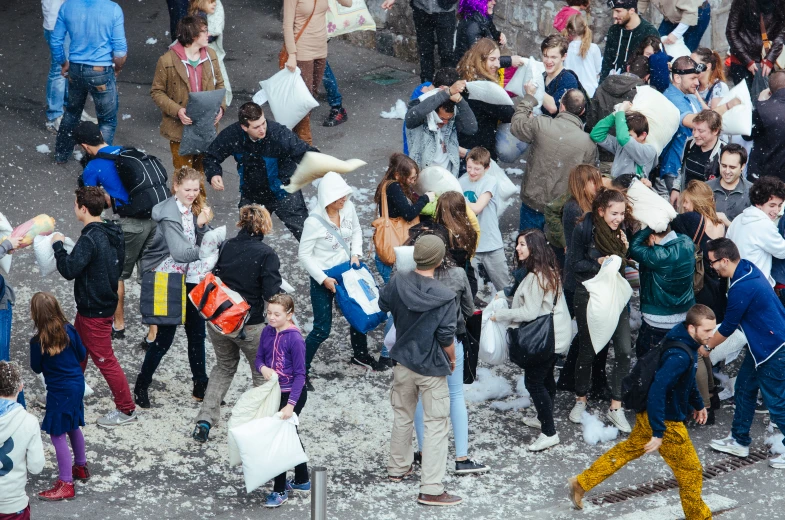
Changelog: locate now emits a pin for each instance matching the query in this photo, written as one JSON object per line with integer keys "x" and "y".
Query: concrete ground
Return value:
{"x": 153, "y": 469}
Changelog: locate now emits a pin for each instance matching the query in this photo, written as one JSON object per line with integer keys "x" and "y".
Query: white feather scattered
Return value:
{"x": 487, "y": 386}
{"x": 775, "y": 441}
{"x": 396, "y": 112}
{"x": 151, "y": 41}
{"x": 595, "y": 431}
{"x": 42, "y": 148}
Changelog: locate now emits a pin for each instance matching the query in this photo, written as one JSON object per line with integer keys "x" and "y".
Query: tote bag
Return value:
{"x": 533, "y": 343}
{"x": 162, "y": 300}
{"x": 390, "y": 233}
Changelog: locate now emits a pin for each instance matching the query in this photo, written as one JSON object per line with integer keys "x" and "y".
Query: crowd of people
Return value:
{"x": 718, "y": 267}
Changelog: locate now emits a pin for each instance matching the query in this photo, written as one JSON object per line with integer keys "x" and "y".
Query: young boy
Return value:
{"x": 629, "y": 146}
{"x": 480, "y": 191}
{"x": 96, "y": 263}
{"x": 21, "y": 449}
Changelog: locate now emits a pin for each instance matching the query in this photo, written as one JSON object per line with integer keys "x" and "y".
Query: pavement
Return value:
{"x": 153, "y": 469}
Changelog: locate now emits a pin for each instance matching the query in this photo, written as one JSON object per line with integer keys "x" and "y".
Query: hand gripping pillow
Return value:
{"x": 663, "y": 116}
{"x": 649, "y": 208}
{"x": 738, "y": 120}
{"x": 258, "y": 402}
{"x": 609, "y": 293}
{"x": 45, "y": 255}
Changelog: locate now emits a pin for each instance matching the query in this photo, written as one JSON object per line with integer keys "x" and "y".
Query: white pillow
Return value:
{"x": 609, "y": 293}
{"x": 738, "y": 120}
{"x": 315, "y": 165}
{"x": 289, "y": 98}
{"x": 438, "y": 180}
{"x": 663, "y": 116}
{"x": 45, "y": 255}
{"x": 488, "y": 92}
{"x": 649, "y": 208}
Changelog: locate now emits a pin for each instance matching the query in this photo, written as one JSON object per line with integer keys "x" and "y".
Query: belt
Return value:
{"x": 99, "y": 68}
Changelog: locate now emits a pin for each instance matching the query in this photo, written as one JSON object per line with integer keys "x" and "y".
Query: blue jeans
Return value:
{"x": 334, "y": 97}
{"x": 769, "y": 378}
{"x": 531, "y": 218}
{"x": 692, "y": 38}
{"x": 56, "y": 84}
{"x": 385, "y": 271}
{"x": 6, "y": 316}
{"x": 101, "y": 85}
{"x": 459, "y": 417}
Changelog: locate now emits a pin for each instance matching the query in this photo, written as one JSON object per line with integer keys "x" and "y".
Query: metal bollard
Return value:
{"x": 319, "y": 493}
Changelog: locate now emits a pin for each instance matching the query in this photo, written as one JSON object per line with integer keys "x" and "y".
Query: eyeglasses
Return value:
{"x": 712, "y": 262}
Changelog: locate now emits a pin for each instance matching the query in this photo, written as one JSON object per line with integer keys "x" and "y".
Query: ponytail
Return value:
{"x": 713, "y": 58}
{"x": 577, "y": 26}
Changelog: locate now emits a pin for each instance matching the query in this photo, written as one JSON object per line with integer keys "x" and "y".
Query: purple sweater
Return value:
{"x": 284, "y": 352}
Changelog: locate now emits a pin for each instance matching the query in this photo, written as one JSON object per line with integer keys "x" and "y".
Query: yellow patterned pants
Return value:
{"x": 676, "y": 449}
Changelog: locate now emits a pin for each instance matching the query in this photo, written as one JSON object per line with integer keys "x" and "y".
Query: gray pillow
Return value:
{"x": 202, "y": 109}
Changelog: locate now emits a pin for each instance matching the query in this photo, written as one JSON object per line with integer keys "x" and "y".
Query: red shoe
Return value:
{"x": 61, "y": 491}
{"x": 80, "y": 472}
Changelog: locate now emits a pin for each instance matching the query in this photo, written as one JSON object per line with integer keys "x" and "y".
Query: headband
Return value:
{"x": 696, "y": 69}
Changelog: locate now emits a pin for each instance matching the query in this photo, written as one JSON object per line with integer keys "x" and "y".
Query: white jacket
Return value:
{"x": 757, "y": 238}
{"x": 319, "y": 249}
{"x": 530, "y": 302}
{"x": 21, "y": 450}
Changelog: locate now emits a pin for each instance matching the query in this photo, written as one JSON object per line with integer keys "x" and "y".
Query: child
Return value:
{"x": 584, "y": 58}
{"x": 20, "y": 446}
{"x": 573, "y": 7}
{"x": 480, "y": 190}
{"x": 213, "y": 12}
{"x": 282, "y": 352}
{"x": 56, "y": 352}
{"x": 629, "y": 146}
{"x": 7, "y": 298}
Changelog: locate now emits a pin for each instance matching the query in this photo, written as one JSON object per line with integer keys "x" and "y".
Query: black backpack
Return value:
{"x": 143, "y": 177}
{"x": 635, "y": 387}
{"x": 580, "y": 87}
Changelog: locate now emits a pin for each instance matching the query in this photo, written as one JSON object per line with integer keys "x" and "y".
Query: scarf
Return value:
{"x": 608, "y": 241}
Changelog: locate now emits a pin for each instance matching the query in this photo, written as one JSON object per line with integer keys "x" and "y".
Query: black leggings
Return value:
{"x": 542, "y": 389}
{"x": 300, "y": 470}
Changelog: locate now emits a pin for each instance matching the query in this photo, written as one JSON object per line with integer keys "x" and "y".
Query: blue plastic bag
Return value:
{"x": 356, "y": 296}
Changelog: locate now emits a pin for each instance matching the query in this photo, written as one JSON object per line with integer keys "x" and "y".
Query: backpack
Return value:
{"x": 700, "y": 270}
{"x": 143, "y": 177}
{"x": 635, "y": 386}
{"x": 580, "y": 87}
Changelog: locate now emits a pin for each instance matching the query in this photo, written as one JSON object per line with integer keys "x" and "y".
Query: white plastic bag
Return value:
{"x": 315, "y": 165}
{"x": 268, "y": 447}
{"x": 493, "y": 335}
{"x": 488, "y": 92}
{"x": 5, "y": 230}
{"x": 438, "y": 180}
{"x": 289, "y": 98}
{"x": 738, "y": 120}
{"x": 258, "y": 402}
{"x": 649, "y": 208}
{"x": 390, "y": 337}
{"x": 404, "y": 259}
{"x": 361, "y": 287}
{"x": 609, "y": 293}
{"x": 678, "y": 49}
{"x": 662, "y": 115}
{"x": 45, "y": 255}
{"x": 506, "y": 190}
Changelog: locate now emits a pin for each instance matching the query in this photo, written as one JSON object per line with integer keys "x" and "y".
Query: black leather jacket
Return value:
{"x": 743, "y": 30}
{"x": 471, "y": 29}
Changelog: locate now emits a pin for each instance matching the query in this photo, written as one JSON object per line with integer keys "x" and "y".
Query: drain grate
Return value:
{"x": 656, "y": 486}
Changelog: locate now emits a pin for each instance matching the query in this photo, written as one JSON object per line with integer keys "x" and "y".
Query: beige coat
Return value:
{"x": 676, "y": 11}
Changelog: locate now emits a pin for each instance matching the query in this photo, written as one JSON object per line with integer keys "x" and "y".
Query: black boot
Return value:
{"x": 141, "y": 398}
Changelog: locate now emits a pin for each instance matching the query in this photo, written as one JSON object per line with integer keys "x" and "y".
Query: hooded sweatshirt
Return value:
{"x": 621, "y": 44}
{"x": 424, "y": 313}
{"x": 757, "y": 238}
{"x": 194, "y": 73}
{"x": 96, "y": 263}
{"x": 169, "y": 238}
{"x": 21, "y": 451}
{"x": 319, "y": 249}
{"x": 284, "y": 352}
{"x": 612, "y": 91}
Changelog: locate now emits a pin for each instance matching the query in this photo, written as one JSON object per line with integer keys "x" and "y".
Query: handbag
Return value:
{"x": 779, "y": 63}
{"x": 471, "y": 348}
{"x": 283, "y": 56}
{"x": 390, "y": 233}
{"x": 700, "y": 271}
{"x": 533, "y": 343}
{"x": 162, "y": 299}
{"x": 224, "y": 309}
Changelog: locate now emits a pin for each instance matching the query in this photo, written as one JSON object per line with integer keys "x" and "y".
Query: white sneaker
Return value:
{"x": 619, "y": 420}
{"x": 544, "y": 442}
{"x": 777, "y": 462}
{"x": 88, "y": 117}
{"x": 54, "y": 125}
{"x": 729, "y": 445}
{"x": 117, "y": 418}
{"x": 532, "y": 422}
{"x": 577, "y": 411}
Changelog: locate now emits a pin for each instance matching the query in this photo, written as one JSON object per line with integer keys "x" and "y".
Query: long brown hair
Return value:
{"x": 577, "y": 26}
{"x": 186, "y": 173}
{"x": 49, "y": 322}
{"x": 702, "y": 198}
{"x": 472, "y": 66}
{"x": 451, "y": 213}
{"x": 604, "y": 198}
{"x": 398, "y": 170}
{"x": 541, "y": 261}
{"x": 580, "y": 177}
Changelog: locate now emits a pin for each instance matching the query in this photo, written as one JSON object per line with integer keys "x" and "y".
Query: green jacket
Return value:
{"x": 666, "y": 272}
{"x": 554, "y": 230}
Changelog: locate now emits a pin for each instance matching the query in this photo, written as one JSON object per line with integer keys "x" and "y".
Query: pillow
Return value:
{"x": 649, "y": 208}
{"x": 345, "y": 20}
{"x": 663, "y": 116}
{"x": 488, "y": 92}
{"x": 438, "y": 180}
{"x": 738, "y": 120}
{"x": 315, "y": 165}
{"x": 289, "y": 98}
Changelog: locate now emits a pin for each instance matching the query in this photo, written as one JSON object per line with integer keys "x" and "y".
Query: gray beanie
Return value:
{"x": 428, "y": 252}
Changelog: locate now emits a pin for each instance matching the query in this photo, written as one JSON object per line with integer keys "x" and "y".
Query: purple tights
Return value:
{"x": 64, "y": 455}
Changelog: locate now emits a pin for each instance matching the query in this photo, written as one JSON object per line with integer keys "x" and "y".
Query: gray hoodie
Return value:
{"x": 424, "y": 313}
{"x": 21, "y": 451}
{"x": 169, "y": 237}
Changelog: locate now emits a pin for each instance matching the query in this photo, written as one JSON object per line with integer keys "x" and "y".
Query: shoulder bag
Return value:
{"x": 390, "y": 233}
{"x": 533, "y": 343}
{"x": 283, "y": 56}
{"x": 700, "y": 271}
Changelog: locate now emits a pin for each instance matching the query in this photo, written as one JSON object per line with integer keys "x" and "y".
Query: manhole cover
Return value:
{"x": 387, "y": 76}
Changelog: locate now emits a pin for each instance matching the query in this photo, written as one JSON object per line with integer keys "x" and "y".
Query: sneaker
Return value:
{"x": 575, "y": 492}
{"x": 117, "y": 418}
{"x": 619, "y": 420}
{"x": 386, "y": 361}
{"x": 777, "y": 462}
{"x": 291, "y": 485}
{"x": 60, "y": 491}
{"x": 80, "y": 472}
{"x": 464, "y": 467}
{"x": 141, "y": 398}
{"x": 532, "y": 422}
{"x": 276, "y": 499}
{"x": 729, "y": 445}
{"x": 479, "y": 302}
{"x": 439, "y": 500}
{"x": 544, "y": 442}
{"x": 417, "y": 458}
{"x": 577, "y": 411}
{"x": 201, "y": 432}
{"x": 118, "y": 334}
{"x": 405, "y": 476}
{"x": 54, "y": 125}
{"x": 761, "y": 408}
{"x": 367, "y": 361}
{"x": 88, "y": 117}
{"x": 336, "y": 116}
{"x": 199, "y": 389}
{"x": 308, "y": 384}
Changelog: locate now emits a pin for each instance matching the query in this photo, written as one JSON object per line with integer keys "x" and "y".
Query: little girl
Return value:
{"x": 282, "y": 352}
{"x": 584, "y": 58}
{"x": 56, "y": 351}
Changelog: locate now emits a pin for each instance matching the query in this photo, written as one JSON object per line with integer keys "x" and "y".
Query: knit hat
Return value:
{"x": 88, "y": 133}
{"x": 428, "y": 252}
{"x": 623, "y": 4}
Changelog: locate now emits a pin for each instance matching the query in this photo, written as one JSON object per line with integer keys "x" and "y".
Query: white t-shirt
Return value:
{"x": 490, "y": 235}
{"x": 441, "y": 157}
{"x": 588, "y": 68}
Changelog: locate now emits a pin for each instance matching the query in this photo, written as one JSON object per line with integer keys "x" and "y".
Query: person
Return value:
{"x": 649, "y": 46}
{"x": 282, "y": 353}
{"x": 539, "y": 294}
{"x": 338, "y": 113}
{"x": 632, "y": 154}
{"x": 768, "y": 153}
{"x": 475, "y": 21}
{"x": 332, "y": 236}
{"x": 549, "y": 160}
{"x": 251, "y": 268}
{"x": 7, "y": 301}
{"x": 178, "y": 9}
{"x": 701, "y": 158}
{"x": 712, "y": 80}
{"x": 96, "y": 55}
{"x": 187, "y": 66}
{"x": 754, "y": 232}
{"x": 182, "y": 221}
{"x": 267, "y": 154}
{"x": 599, "y": 235}
{"x": 624, "y": 36}
{"x": 213, "y": 12}
{"x": 305, "y": 40}
{"x": 584, "y": 57}
{"x": 749, "y": 53}
{"x": 573, "y": 7}
{"x": 434, "y": 25}
{"x": 95, "y": 263}
{"x": 434, "y": 121}
{"x": 731, "y": 189}
{"x": 557, "y": 79}
{"x": 424, "y": 314}
{"x": 56, "y": 83}
{"x": 685, "y": 20}
{"x": 20, "y": 432}
{"x": 661, "y": 426}
{"x": 56, "y": 352}
{"x": 754, "y": 308}
{"x": 617, "y": 88}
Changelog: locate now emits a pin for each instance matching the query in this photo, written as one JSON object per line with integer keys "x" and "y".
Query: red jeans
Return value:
{"x": 24, "y": 514}
{"x": 96, "y": 334}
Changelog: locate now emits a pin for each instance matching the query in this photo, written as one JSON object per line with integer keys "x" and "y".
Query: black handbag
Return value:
{"x": 533, "y": 343}
{"x": 471, "y": 348}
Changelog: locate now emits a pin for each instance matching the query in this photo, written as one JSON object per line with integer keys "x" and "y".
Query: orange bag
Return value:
{"x": 224, "y": 309}
{"x": 390, "y": 233}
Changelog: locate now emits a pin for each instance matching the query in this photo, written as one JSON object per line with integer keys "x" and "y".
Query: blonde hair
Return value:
{"x": 198, "y": 6}
{"x": 186, "y": 173}
{"x": 284, "y": 300}
{"x": 49, "y": 322}
{"x": 255, "y": 219}
{"x": 702, "y": 198}
{"x": 577, "y": 26}
{"x": 472, "y": 66}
